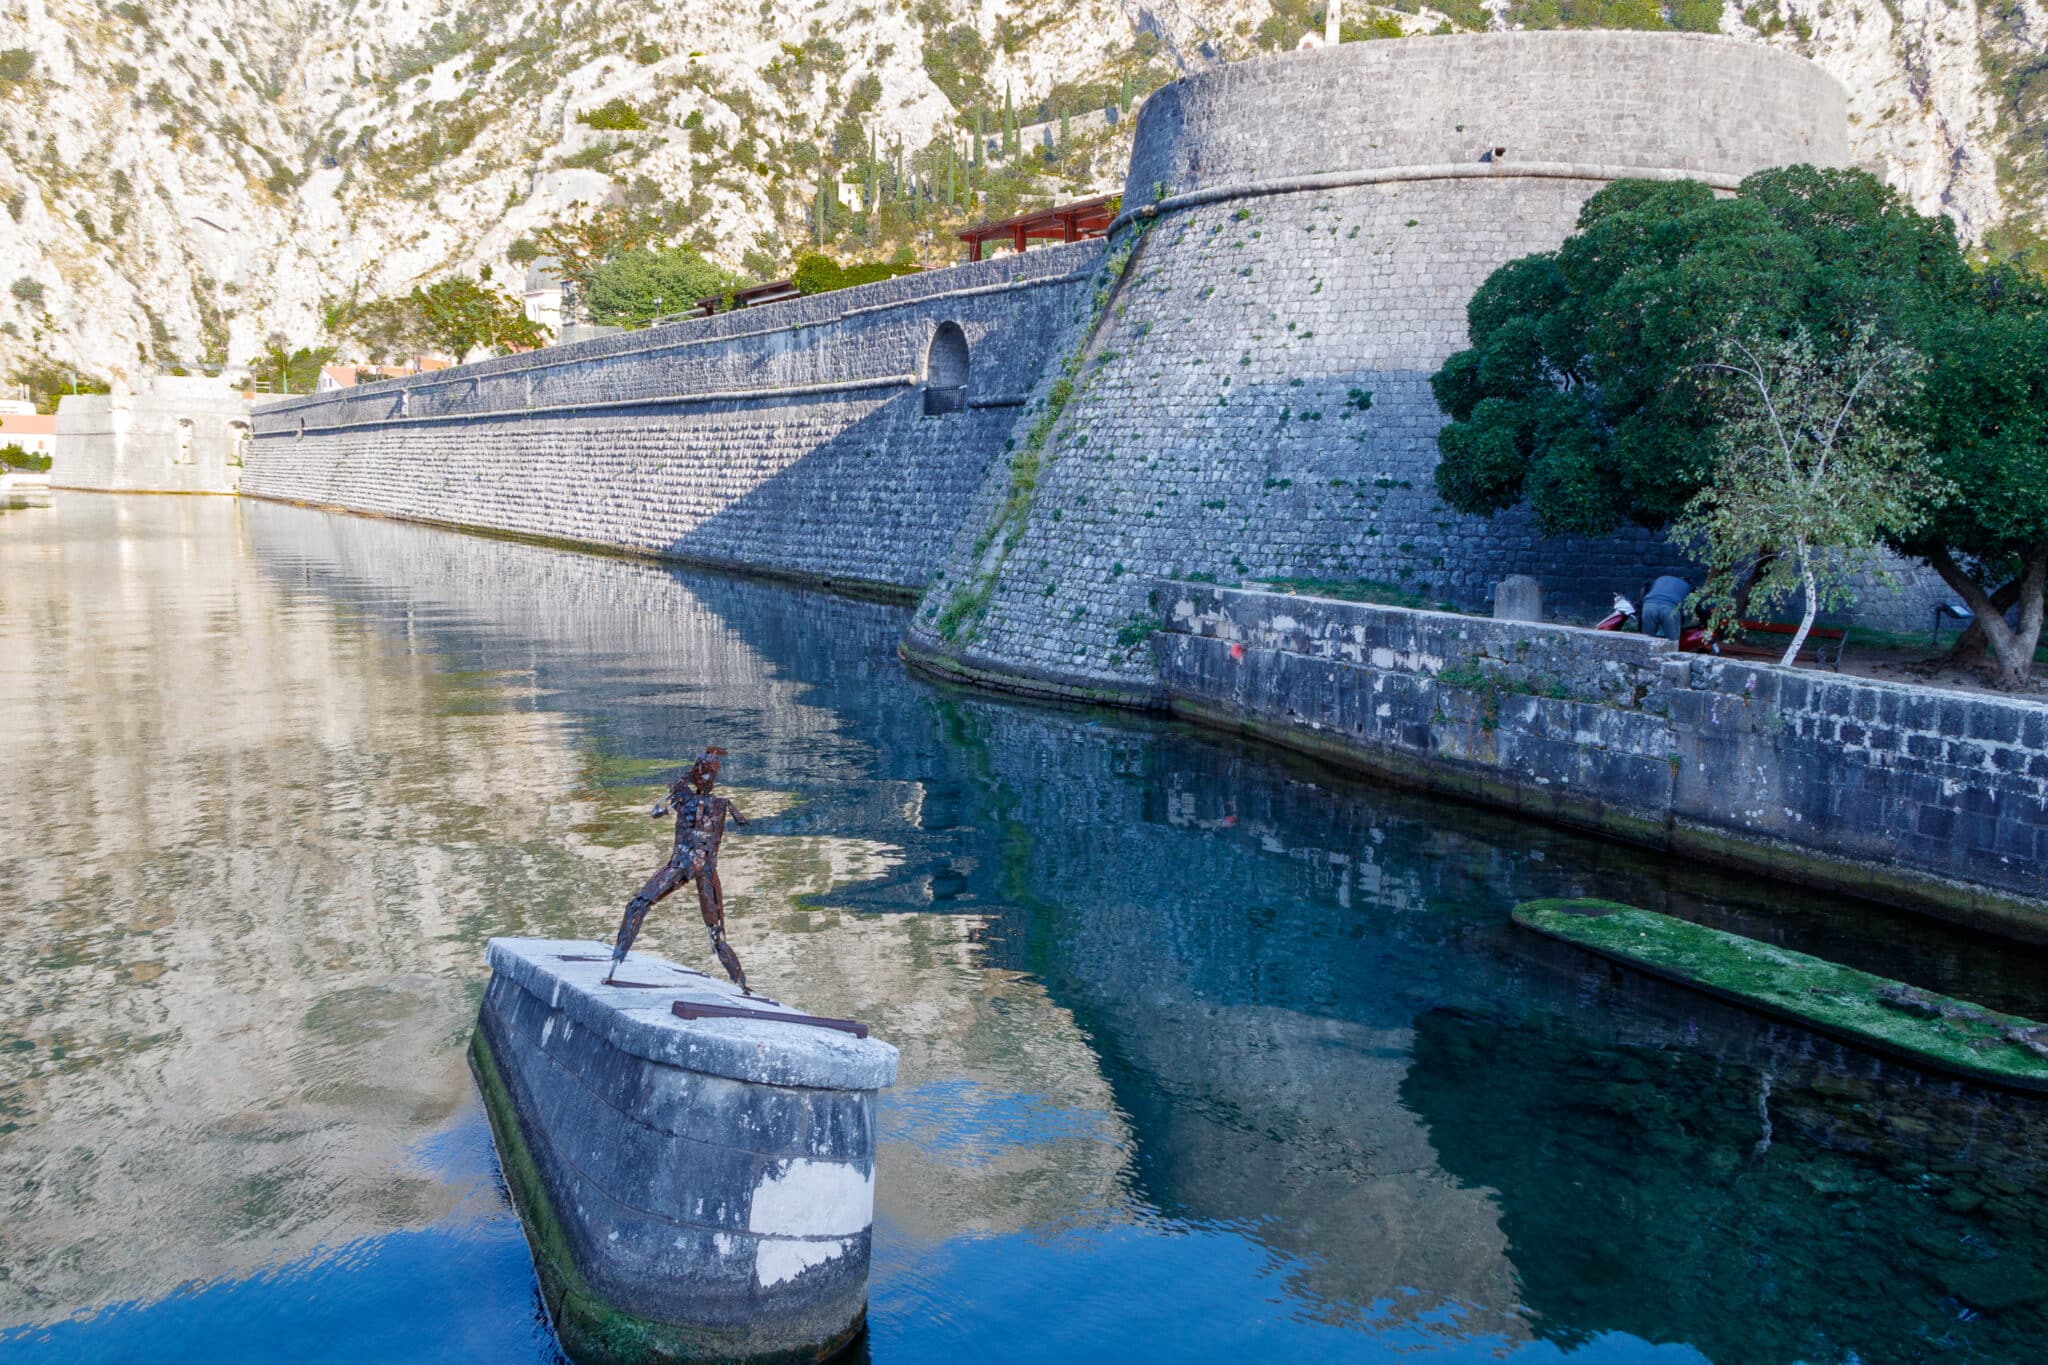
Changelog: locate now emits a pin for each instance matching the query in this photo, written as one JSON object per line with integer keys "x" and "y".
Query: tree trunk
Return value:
{"x": 2012, "y": 649}
{"x": 1791, "y": 659}
{"x": 1972, "y": 639}
{"x": 1750, "y": 580}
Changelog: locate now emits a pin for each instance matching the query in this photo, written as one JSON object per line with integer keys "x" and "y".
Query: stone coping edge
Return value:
{"x": 639, "y": 1024}
{"x": 592, "y": 1331}
{"x": 1023, "y": 682}
{"x": 1442, "y": 170}
{"x": 401, "y": 419}
{"x": 574, "y": 353}
{"x": 1922, "y": 1028}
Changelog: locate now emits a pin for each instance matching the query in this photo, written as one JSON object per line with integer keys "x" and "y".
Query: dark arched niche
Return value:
{"x": 945, "y": 371}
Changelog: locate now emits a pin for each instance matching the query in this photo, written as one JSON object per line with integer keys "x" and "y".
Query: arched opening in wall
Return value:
{"x": 239, "y": 434}
{"x": 945, "y": 371}
{"x": 184, "y": 455}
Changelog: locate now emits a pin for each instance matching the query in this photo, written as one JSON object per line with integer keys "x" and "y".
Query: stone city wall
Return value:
{"x": 1937, "y": 800}
{"x": 175, "y": 435}
{"x": 791, "y": 439}
{"x": 1302, "y": 234}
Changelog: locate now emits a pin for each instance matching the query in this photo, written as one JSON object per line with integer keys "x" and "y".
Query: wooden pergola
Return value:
{"x": 775, "y": 291}
{"x": 1064, "y": 223}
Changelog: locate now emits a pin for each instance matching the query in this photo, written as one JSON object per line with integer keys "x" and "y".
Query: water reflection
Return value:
{"x": 1203, "y": 1049}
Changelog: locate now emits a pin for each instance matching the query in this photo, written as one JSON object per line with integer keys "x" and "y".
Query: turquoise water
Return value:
{"x": 1207, "y": 1053}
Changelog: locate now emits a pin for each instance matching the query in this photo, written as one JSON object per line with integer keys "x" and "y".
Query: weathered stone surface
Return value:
{"x": 1932, "y": 799}
{"x": 178, "y": 434}
{"x": 1253, "y": 402}
{"x": 692, "y": 1189}
{"x": 789, "y": 439}
{"x": 1518, "y": 597}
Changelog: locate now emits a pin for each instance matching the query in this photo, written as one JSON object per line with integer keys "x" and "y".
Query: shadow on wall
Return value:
{"x": 862, "y": 506}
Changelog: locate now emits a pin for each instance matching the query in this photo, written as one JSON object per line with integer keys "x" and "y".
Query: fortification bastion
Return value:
{"x": 1248, "y": 399}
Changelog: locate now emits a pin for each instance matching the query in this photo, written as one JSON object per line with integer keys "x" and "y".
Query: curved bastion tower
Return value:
{"x": 1241, "y": 391}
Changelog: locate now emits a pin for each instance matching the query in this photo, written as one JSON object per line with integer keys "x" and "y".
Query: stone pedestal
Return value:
{"x": 1518, "y": 597}
{"x": 691, "y": 1189}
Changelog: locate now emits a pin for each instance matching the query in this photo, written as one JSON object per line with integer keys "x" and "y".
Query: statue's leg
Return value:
{"x": 660, "y": 884}
{"x": 711, "y": 900}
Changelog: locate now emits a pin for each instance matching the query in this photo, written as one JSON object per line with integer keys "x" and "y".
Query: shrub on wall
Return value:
{"x": 820, "y": 274}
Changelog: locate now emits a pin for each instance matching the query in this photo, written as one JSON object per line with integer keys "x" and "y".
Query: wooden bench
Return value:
{"x": 1825, "y": 642}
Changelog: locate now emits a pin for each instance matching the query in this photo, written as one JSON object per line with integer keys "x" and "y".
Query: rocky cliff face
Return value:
{"x": 183, "y": 178}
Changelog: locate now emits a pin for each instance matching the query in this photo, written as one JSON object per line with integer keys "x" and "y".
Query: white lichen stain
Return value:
{"x": 777, "y": 1260}
{"x": 802, "y": 1198}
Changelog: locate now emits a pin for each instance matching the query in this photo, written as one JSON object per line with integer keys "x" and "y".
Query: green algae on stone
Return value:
{"x": 592, "y": 1331}
{"x": 1872, "y": 1012}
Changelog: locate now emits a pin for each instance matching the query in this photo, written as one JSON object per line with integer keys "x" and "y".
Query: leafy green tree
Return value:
{"x": 584, "y": 244}
{"x": 817, "y": 273}
{"x": 281, "y": 369}
{"x": 637, "y": 286}
{"x": 1585, "y": 392}
{"x": 386, "y": 330}
{"x": 14, "y": 456}
{"x": 458, "y": 315}
{"x": 1814, "y": 469}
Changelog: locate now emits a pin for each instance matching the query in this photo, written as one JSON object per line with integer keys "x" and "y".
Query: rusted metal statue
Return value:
{"x": 700, "y": 829}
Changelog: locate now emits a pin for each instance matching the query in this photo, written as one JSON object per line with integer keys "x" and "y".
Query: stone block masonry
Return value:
{"x": 696, "y": 1189}
{"x": 1928, "y": 799}
{"x": 791, "y": 439}
{"x": 177, "y": 434}
{"x": 1251, "y": 401}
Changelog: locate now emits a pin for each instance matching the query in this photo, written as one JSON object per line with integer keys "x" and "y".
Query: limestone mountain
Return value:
{"x": 184, "y": 178}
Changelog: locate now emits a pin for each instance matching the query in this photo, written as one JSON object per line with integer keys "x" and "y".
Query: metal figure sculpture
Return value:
{"x": 700, "y": 829}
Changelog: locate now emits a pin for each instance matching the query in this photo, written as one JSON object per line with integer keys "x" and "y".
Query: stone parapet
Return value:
{"x": 793, "y": 439}
{"x": 1933, "y": 800}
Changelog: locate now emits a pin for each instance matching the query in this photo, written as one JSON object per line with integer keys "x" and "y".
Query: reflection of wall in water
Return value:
{"x": 1813, "y": 1207}
{"x": 251, "y": 909}
{"x": 646, "y": 664}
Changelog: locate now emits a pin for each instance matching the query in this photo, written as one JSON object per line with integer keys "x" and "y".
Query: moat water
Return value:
{"x": 1207, "y": 1053}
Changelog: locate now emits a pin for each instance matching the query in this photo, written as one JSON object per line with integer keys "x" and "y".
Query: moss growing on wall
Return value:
{"x": 968, "y": 603}
{"x": 593, "y": 1332}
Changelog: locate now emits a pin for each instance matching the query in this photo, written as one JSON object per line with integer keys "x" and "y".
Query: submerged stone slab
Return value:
{"x": 692, "y": 1189}
{"x": 1888, "y": 1017}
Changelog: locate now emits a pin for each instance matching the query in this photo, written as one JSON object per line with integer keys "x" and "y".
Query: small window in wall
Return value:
{"x": 239, "y": 433}
{"x": 184, "y": 455}
{"x": 945, "y": 371}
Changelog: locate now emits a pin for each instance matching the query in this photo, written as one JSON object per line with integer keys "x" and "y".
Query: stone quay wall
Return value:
{"x": 1250, "y": 400}
{"x": 1935, "y": 800}
{"x": 791, "y": 439}
{"x": 703, "y": 1187}
{"x": 175, "y": 435}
